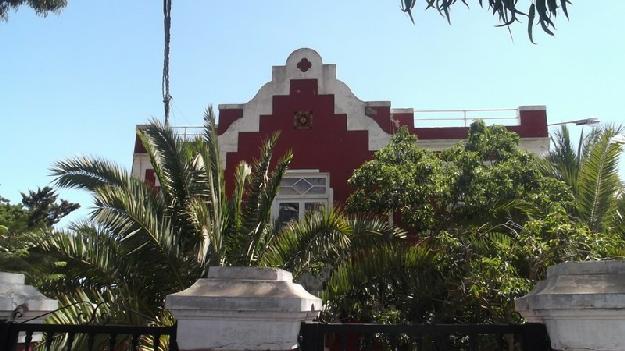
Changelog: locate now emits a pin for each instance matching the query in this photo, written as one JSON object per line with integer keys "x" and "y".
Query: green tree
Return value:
{"x": 41, "y": 7}
{"x": 13, "y": 218}
{"x": 37, "y": 213}
{"x": 471, "y": 183}
{"x": 43, "y": 209}
{"x": 590, "y": 169}
{"x": 486, "y": 217}
{"x": 145, "y": 242}
{"x": 538, "y": 12}
{"x": 13, "y": 225}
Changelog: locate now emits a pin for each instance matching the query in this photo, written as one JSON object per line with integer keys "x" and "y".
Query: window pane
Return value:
{"x": 302, "y": 186}
{"x": 287, "y": 211}
{"x": 317, "y": 190}
{"x": 317, "y": 181}
{"x": 288, "y": 181}
{"x": 284, "y": 190}
{"x": 313, "y": 206}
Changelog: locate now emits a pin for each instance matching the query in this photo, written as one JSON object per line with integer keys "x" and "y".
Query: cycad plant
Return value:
{"x": 590, "y": 168}
{"x": 144, "y": 242}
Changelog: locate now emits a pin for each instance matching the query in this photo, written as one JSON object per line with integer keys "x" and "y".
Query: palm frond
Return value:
{"x": 241, "y": 176}
{"x": 258, "y": 238}
{"x": 371, "y": 232}
{"x": 257, "y": 185}
{"x": 385, "y": 274}
{"x": 82, "y": 257}
{"x": 598, "y": 181}
{"x": 325, "y": 238}
{"x": 619, "y": 218}
{"x": 212, "y": 145}
{"x": 563, "y": 156}
{"x": 321, "y": 236}
{"x": 141, "y": 228}
{"x": 166, "y": 153}
{"x": 87, "y": 173}
{"x": 209, "y": 222}
{"x": 173, "y": 166}
{"x": 255, "y": 207}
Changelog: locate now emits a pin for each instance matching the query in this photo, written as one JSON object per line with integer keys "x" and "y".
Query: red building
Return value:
{"x": 331, "y": 132}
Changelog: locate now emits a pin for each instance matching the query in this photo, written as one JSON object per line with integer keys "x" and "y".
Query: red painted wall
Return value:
{"x": 327, "y": 146}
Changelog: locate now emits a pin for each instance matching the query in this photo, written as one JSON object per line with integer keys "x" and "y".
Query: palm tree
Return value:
{"x": 591, "y": 171}
{"x": 143, "y": 243}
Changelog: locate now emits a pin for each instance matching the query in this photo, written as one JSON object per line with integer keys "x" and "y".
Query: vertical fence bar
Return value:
{"x": 70, "y": 341}
{"x": 394, "y": 341}
{"x": 4, "y": 334}
{"x": 27, "y": 340}
{"x": 112, "y": 338}
{"x": 343, "y": 340}
{"x": 173, "y": 343}
{"x": 49, "y": 338}
{"x": 12, "y": 336}
{"x": 306, "y": 335}
{"x": 90, "y": 341}
{"x": 473, "y": 344}
{"x": 156, "y": 342}
{"x": 135, "y": 341}
{"x": 501, "y": 342}
{"x": 366, "y": 342}
{"x": 534, "y": 337}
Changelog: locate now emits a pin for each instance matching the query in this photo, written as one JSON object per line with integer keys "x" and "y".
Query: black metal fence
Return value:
{"x": 378, "y": 337}
{"x": 65, "y": 337}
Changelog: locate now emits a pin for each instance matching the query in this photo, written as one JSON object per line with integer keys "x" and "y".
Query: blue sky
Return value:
{"x": 79, "y": 82}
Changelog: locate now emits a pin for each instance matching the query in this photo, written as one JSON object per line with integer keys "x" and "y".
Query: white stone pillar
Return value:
{"x": 242, "y": 308}
{"x": 20, "y": 302}
{"x": 582, "y": 304}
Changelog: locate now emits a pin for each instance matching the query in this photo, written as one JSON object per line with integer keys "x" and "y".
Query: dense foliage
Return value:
{"x": 43, "y": 208}
{"x": 487, "y": 219}
{"x": 591, "y": 171}
{"x": 541, "y": 13}
{"x": 145, "y": 242}
{"x": 507, "y": 12}
{"x": 38, "y": 211}
{"x": 41, "y": 7}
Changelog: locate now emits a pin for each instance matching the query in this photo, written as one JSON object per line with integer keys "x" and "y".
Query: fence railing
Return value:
{"x": 24, "y": 336}
{"x": 449, "y": 337}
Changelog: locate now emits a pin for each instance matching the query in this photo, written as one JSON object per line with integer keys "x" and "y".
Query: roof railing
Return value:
{"x": 189, "y": 132}
{"x": 437, "y": 119}
{"x": 450, "y": 118}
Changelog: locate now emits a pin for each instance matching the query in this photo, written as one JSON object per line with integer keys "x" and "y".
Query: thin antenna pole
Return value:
{"x": 165, "y": 81}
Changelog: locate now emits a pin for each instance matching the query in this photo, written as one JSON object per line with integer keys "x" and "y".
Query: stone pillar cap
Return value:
{"x": 253, "y": 289}
{"x": 14, "y": 293}
{"x": 242, "y": 308}
{"x": 248, "y": 273}
{"x": 578, "y": 285}
{"x": 582, "y": 305}
{"x": 588, "y": 267}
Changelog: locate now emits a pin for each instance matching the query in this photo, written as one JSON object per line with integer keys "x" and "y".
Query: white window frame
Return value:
{"x": 301, "y": 199}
